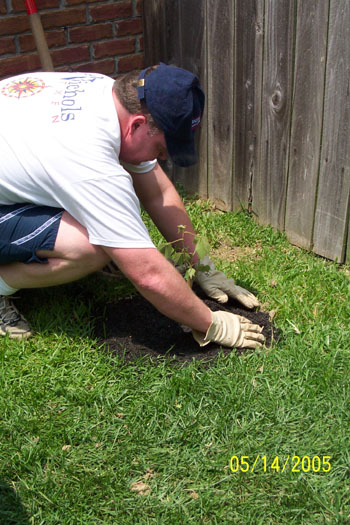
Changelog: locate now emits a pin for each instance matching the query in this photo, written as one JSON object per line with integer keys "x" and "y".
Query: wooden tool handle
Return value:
{"x": 39, "y": 36}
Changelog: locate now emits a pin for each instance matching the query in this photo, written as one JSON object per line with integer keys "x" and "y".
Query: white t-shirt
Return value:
{"x": 59, "y": 146}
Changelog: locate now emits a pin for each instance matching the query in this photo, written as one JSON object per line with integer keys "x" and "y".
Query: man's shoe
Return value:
{"x": 12, "y": 323}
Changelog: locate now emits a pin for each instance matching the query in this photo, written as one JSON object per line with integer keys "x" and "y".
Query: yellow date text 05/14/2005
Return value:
{"x": 280, "y": 464}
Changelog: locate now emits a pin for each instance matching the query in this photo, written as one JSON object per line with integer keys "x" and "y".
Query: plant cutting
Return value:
{"x": 182, "y": 258}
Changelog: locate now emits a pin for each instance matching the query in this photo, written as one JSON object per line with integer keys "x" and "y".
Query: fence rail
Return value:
{"x": 275, "y": 138}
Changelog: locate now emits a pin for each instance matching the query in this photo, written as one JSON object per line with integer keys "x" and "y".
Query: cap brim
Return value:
{"x": 182, "y": 153}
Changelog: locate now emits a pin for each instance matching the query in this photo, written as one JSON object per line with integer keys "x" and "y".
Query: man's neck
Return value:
{"x": 123, "y": 114}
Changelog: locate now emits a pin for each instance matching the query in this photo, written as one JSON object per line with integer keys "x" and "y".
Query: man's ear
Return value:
{"x": 136, "y": 122}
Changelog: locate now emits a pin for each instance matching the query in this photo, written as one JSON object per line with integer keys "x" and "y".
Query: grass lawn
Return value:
{"x": 87, "y": 439}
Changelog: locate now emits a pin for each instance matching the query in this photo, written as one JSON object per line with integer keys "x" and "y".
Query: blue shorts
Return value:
{"x": 26, "y": 228}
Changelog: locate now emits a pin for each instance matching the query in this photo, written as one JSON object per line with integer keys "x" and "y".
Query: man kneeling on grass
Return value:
{"x": 77, "y": 155}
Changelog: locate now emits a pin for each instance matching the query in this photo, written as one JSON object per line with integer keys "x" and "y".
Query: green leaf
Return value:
{"x": 202, "y": 245}
{"x": 178, "y": 258}
{"x": 166, "y": 249}
{"x": 168, "y": 252}
{"x": 190, "y": 273}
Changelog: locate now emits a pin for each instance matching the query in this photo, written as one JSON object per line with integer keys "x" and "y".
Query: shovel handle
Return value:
{"x": 39, "y": 36}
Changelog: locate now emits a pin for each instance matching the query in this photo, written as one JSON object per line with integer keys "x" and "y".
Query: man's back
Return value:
{"x": 60, "y": 143}
{"x": 48, "y": 122}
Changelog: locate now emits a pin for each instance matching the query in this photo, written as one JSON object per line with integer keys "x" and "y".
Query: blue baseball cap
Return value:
{"x": 175, "y": 100}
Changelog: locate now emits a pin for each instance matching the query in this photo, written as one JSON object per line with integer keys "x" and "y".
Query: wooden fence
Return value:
{"x": 275, "y": 137}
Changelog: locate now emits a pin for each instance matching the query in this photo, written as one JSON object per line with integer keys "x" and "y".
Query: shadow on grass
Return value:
{"x": 12, "y": 511}
{"x": 129, "y": 327}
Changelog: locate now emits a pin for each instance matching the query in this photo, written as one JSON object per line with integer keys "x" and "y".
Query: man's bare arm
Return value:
{"x": 158, "y": 281}
{"x": 164, "y": 205}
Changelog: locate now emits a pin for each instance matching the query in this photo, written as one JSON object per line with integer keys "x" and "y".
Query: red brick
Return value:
{"x": 64, "y": 17}
{"x": 131, "y": 26}
{"x": 130, "y": 63}
{"x": 13, "y": 25}
{"x": 115, "y": 47}
{"x": 19, "y": 5}
{"x": 111, "y": 11}
{"x": 47, "y": 4}
{"x": 53, "y": 38}
{"x": 7, "y": 46}
{"x": 69, "y": 55}
{"x": 106, "y": 67}
{"x": 26, "y": 43}
{"x": 141, "y": 41}
{"x": 19, "y": 64}
{"x": 90, "y": 33}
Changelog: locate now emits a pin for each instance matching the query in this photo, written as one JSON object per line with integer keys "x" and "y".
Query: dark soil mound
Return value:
{"x": 133, "y": 328}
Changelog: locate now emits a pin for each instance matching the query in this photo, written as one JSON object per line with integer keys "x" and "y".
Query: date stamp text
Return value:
{"x": 280, "y": 464}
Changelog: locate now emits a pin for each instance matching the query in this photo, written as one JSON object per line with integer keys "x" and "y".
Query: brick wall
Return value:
{"x": 103, "y": 36}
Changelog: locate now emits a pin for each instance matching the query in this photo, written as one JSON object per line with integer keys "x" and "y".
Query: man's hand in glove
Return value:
{"x": 217, "y": 286}
{"x": 231, "y": 330}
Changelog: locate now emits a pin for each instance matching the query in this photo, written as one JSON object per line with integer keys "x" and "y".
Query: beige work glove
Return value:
{"x": 231, "y": 330}
{"x": 217, "y": 286}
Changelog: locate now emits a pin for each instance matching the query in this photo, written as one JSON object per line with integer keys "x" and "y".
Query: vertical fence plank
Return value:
{"x": 308, "y": 94}
{"x": 331, "y": 219}
{"x": 192, "y": 14}
{"x": 269, "y": 188}
{"x": 172, "y": 29}
{"x": 154, "y": 24}
{"x": 220, "y": 101}
{"x": 161, "y": 28}
{"x": 161, "y": 21}
{"x": 249, "y": 20}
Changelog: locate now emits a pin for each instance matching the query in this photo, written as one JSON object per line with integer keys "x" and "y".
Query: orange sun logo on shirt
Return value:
{"x": 23, "y": 88}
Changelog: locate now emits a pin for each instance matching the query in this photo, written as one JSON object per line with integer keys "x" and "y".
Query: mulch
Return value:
{"x": 132, "y": 328}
